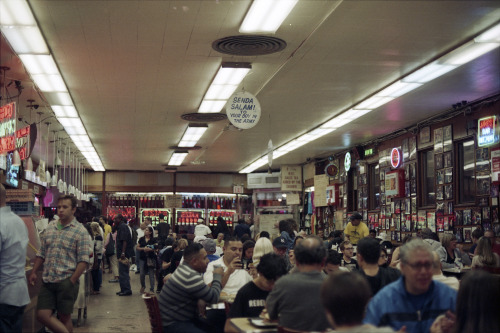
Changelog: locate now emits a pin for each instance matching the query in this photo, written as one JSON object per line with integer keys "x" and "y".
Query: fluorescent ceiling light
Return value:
{"x": 81, "y": 141}
{"x": 467, "y": 52}
{"x": 373, "y": 102}
{"x": 266, "y": 16}
{"x": 39, "y": 63}
{"x": 255, "y": 165}
{"x": 16, "y": 12}
{"x": 72, "y": 122}
{"x": 25, "y": 39}
{"x": 491, "y": 35}
{"x": 177, "y": 158}
{"x": 428, "y": 73}
{"x": 65, "y": 111}
{"x": 192, "y": 134}
{"x": 50, "y": 83}
{"x": 398, "y": 88}
{"x": 225, "y": 83}
{"x": 59, "y": 98}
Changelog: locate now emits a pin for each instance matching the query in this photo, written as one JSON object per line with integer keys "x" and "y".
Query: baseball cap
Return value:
{"x": 201, "y": 221}
{"x": 199, "y": 239}
{"x": 279, "y": 242}
{"x": 209, "y": 245}
{"x": 356, "y": 216}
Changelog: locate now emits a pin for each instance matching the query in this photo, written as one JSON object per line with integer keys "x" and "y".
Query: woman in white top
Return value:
{"x": 485, "y": 257}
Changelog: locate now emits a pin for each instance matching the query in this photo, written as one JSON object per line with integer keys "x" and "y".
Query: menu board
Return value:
{"x": 320, "y": 184}
{"x": 267, "y": 222}
{"x": 173, "y": 201}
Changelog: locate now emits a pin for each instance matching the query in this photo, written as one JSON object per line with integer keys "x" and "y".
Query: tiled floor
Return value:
{"x": 108, "y": 312}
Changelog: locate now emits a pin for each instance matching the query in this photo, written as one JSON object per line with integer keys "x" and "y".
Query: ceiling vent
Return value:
{"x": 264, "y": 180}
{"x": 204, "y": 117}
{"x": 184, "y": 148}
{"x": 249, "y": 45}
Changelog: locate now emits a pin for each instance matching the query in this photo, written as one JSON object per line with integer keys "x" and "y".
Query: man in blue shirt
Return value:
{"x": 13, "y": 286}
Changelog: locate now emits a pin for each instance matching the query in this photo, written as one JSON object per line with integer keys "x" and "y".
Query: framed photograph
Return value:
{"x": 486, "y": 214}
{"x": 459, "y": 216}
{"x": 448, "y": 159}
{"x": 413, "y": 147}
{"x": 483, "y": 184}
{"x": 440, "y": 177}
{"x": 468, "y": 235}
{"x": 494, "y": 191}
{"x": 448, "y": 175}
{"x": 440, "y": 223}
{"x": 447, "y": 138}
{"x": 406, "y": 150}
{"x": 446, "y": 223}
{"x": 438, "y": 140}
{"x": 496, "y": 229}
{"x": 483, "y": 201}
{"x": 439, "y": 161}
{"x": 407, "y": 206}
{"x": 440, "y": 208}
{"x": 413, "y": 171}
{"x": 467, "y": 217}
{"x": 448, "y": 191}
{"x": 439, "y": 193}
{"x": 450, "y": 208}
{"x": 476, "y": 216}
{"x": 431, "y": 221}
{"x": 413, "y": 187}
{"x": 425, "y": 134}
{"x": 407, "y": 189}
{"x": 494, "y": 215}
{"x": 459, "y": 234}
{"x": 414, "y": 204}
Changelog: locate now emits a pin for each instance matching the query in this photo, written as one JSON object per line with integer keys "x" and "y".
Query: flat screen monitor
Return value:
{"x": 12, "y": 172}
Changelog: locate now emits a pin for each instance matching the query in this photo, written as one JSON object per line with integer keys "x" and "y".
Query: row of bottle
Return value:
{"x": 214, "y": 215}
{"x": 157, "y": 201}
{"x": 197, "y": 201}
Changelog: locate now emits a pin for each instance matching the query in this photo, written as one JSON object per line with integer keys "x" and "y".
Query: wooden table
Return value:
{"x": 456, "y": 272}
{"x": 244, "y": 325}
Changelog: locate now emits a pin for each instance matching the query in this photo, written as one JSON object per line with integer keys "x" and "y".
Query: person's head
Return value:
{"x": 148, "y": 232}
{"x": 382, "y": 261}
{"x": 209, "y": 245}
{"x": 233, "y": 248}
{"x": 183, "y": 243}
{"x": 221, "y": 222}
{"x": 3, "y": 196}
{"x": 476, "y": 234}
{"x": 427, "y": 233}
{"x": 347, "y": 249}
{"x": 449, "y": 241}
{"x": 490, "y": 234}
{"x": 373, "y": 233}
{"x": 118, "y": 219}
{"x": 368, "y": 251}
{"x": 484, "y": 250}
{"x": 311, "y": 251}
{"x": 333, "y": 261}
{"x": 103, "y": 220}
{"x": 201, "y": 221}
{"x": 66, "y": 208}
{"x": 297, "y": 240}
{"x": 245, "y": 237}
{"x": 331, "y": 236}
{"x": 416, "y": 266}
{"x": 248, "y": 247}
{"x": 477, "y": 303}
{"x": 286, "y": 225}
{"x": 262, "y": 247}
{"x": 95, "y": 228}
{"x": 196, "y": 257}
{"x": 321, "y": 233}
{"x": 356, "y": 219}
{"x": 161, "y": 217}
{"x": 279, "y": 246}
{"x": 264, "y": 234}
{"x": 271, "y": 267}
{"x": 169, "y": 241}
{"x": 147, "y": 220}
{"x": 344, "y": 296}
{"x": 220, "y": 236}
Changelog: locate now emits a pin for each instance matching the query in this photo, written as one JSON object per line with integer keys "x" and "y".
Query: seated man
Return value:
{"x": 179, "y": 296}
{"x": 344, "y": 296}
{"x": 251, "y": 298}
{"x": 347, "y": 253}
{"x": 414, "y": 300}
{"x": 332, "y": 263}
{"x": 295, "y": 298}
{"x": 437, "y": 274}
{"x": 368, "y": 255}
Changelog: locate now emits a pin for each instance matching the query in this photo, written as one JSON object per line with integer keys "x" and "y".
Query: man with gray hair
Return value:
{"x": 414, "y": 300}
{"x": 295, "y": 297}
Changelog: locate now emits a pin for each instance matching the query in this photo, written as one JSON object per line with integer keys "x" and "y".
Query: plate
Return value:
{"x": 261, "y": 323}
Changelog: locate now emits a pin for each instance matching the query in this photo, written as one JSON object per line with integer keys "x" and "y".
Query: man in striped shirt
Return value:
{"x": 180, "y": 294}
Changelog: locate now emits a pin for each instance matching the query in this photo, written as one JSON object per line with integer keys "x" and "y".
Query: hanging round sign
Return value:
{"x": 332, "y": 170}
{"x": 347, "y": 161}
{"x": 243, "y": 110}
{"x": 396, "y": 158}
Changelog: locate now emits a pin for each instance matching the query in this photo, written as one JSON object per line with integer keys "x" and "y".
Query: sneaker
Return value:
{"x": 142, "y": 290}
{"x": 113, "y": 281}
{"x": 133, "y": 267}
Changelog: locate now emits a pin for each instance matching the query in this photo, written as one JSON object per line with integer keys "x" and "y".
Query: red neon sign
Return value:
{"x": 7, "y": 111}
{"x": 396, "y": 158}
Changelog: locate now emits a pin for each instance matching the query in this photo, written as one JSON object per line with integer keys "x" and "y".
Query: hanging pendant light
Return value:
{"x": 53, "y": 180}
{"x": 16, "y": 159}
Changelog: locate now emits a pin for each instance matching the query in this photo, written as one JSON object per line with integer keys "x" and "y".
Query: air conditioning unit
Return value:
{"x": 264, "y": 180}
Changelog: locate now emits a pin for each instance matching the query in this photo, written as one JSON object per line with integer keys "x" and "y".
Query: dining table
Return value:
{"x": 250, "y": 325}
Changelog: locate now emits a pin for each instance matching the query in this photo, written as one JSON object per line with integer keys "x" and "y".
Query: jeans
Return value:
{"x": 124, "y": 278}
{"x": 138, "y": 261}
{"x": 151, "y": 273}
{"x": 97, "y": 277}
{"x": 11, "y": 318}
{"x": 182, "y": 326}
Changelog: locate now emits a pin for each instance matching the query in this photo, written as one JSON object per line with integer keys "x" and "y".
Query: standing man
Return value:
{"x": 124, "y": 251}
{"x": 414, "y": 300}
{"x": 180, "y": 294}
{"x": 13, "y": 286}
{"x": 163, "y": 230}
{"x": 202, "y": 229}
{"x": 64, "y": 252}
{"x": 242, "y": 228}
{"x": 356, "y": 229}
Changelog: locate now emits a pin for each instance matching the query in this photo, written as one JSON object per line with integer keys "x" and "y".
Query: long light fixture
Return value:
{"x": 225, "y": 83}
{"x": 177, "y": 158}
{"x": 20, "y": 28}
{"x": 192, "y": 134}
{"x": 482, "y": 44}
{"x": 266, "y": 16}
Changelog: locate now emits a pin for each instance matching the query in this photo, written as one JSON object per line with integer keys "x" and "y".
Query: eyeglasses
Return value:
{"x": 419, "y": 265}
{"x": 348, "y": 248}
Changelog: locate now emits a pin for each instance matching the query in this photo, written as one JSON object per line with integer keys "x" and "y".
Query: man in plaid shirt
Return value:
{"x": 64, "y": 253}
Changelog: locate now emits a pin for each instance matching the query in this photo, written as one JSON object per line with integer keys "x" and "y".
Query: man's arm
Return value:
{"x": 38, "y": 263}
{"x": 80, "y": 268}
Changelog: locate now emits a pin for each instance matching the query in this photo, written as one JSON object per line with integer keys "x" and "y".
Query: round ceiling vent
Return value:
{"x": 204, "y": 117}
{"x": 184, "y": 148}
{"x": 249, "y": 45}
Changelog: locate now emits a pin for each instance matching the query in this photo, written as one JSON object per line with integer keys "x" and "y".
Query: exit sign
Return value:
{"x": 369, "y": 151}
{"x": 238, "y": 189}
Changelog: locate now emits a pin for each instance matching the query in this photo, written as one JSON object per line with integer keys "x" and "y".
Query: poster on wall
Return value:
{"x": 330, "y": 195}
{"x": 438, "y": 140}
{"x": 320, "y": 184}
{"x": 394, "y": 183}
{"x": 495, "y": 165}
{"x": 291, "y": 178}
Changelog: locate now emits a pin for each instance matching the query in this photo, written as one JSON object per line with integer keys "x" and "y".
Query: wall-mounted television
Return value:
{"x": 12, "y": 172}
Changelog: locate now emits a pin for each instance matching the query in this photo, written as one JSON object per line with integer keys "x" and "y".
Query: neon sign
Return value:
{"x": 487, "y": 131}
{"x": 396, "y": 158}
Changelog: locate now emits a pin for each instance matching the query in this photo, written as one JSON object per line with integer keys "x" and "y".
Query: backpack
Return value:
{"x": 110, "y": 248}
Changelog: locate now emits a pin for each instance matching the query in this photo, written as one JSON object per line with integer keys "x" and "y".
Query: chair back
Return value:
{"x": 154, "y": 312}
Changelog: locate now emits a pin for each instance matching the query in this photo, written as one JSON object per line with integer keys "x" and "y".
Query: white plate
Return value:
{"x": 261, "y": 323}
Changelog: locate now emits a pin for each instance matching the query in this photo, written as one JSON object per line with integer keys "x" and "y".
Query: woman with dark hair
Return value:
{"x": 382, "y": 261}
{"x": 286, "y": 231}
{"x": 485, "y": 257}
{"x": 247, "y": 253}
{"x": 477, "y": 306}
{"x": 146, "y": 246}
{"x": 450, "y": 254}
{"x": 221, "y": 228}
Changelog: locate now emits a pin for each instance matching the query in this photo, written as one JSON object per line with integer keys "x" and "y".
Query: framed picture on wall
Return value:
{"x": 467, "y": 217}
{"x": 448, "y": 159}
{"x": 459, "y": 217}
{"x": 447, "y": 138}
{"x": 486, "y": 214}
{"x": 406, "y": 150}
{"x": 438, "y": 140}
{"x": 448, "y": 175}
{"x": 413, "y": 187}
{"x": 468, "y": 235}
{"x": 494, "y": 215}
{"x": 439, "y": 193}
{"x": 425, "y": 135}
{"x": 483, "y": 184}
{"x": 413, "y": 147}
{"x": 440, "y": 177}
{"x": 439, "y": 161}
{"x": 413, "y": 171}
{"x": 448, "y": 191}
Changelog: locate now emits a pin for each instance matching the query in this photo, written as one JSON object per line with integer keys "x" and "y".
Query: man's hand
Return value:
{"x": 32, "y": 278}
{"x": 235, "y": 264}
{"x": 219, "y": 270}
{"x": 202, "y": 307}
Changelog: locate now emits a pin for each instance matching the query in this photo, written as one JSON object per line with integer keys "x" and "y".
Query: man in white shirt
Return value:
{"x": 437, "y": 274}
{"x": 202, "y": 229}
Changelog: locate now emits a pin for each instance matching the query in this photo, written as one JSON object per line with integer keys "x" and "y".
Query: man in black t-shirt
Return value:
{"x": 163, "y": 230}
{"x": 251, "y": 298}
{"x": 368, "y": 253}
{"x": 347, "y": 253}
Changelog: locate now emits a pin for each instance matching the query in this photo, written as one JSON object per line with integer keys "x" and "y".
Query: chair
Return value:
{"x": 154, "y": 312}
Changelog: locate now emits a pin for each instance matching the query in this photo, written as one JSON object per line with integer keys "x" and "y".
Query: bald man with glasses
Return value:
{"x": 414, "y": 300}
